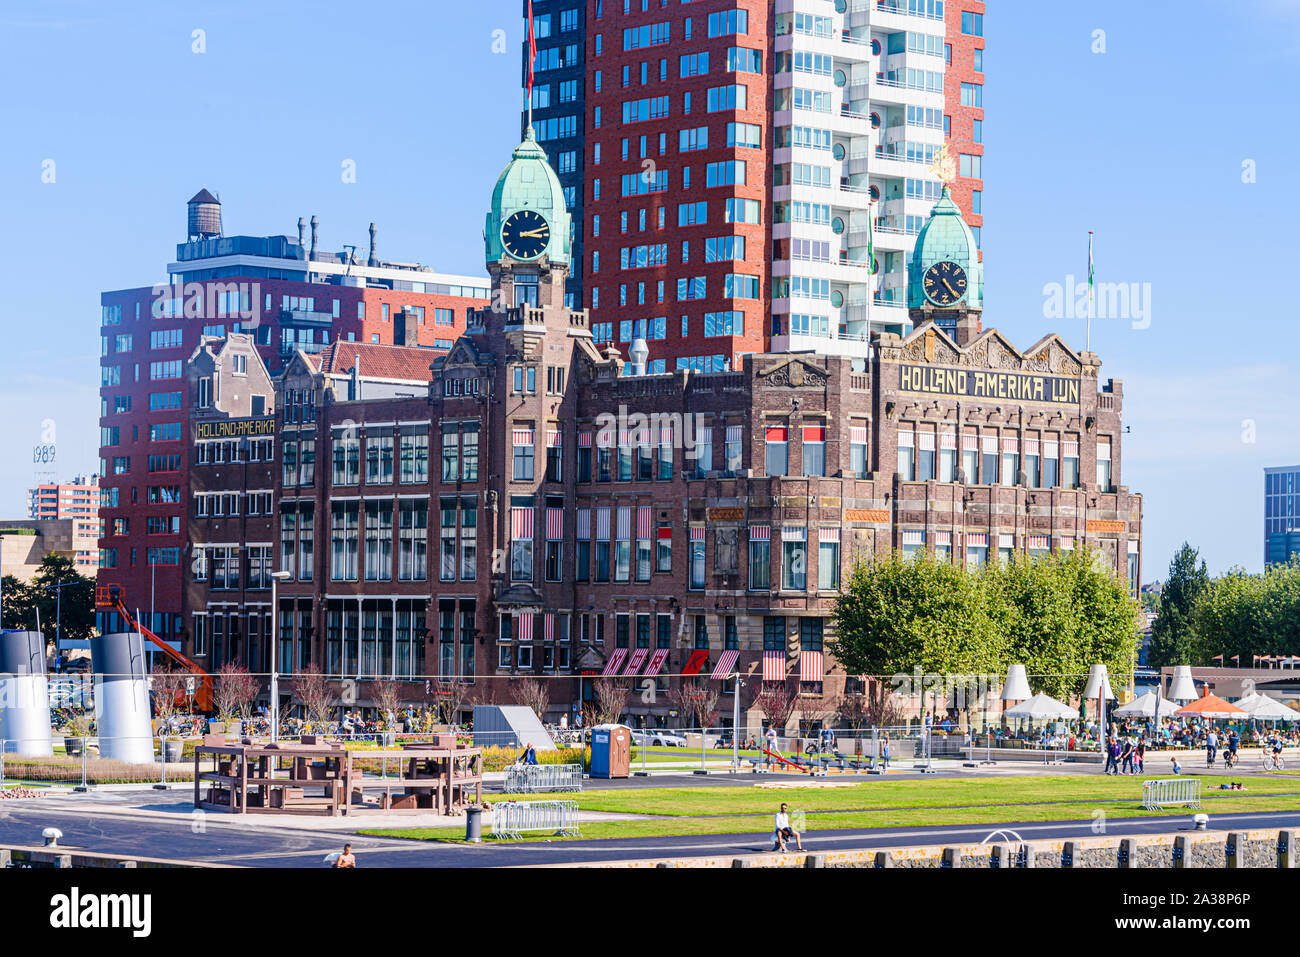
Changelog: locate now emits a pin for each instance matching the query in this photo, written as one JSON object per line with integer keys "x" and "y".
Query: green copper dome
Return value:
{"x": 945, "y": 237}
{"x": 529, "y": 183}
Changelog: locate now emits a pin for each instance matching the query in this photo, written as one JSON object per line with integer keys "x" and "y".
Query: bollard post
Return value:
{"x": 1031, "y": 854}
{"x": 85, "y": 747}
{"x": 2, "y": 761}
{"x": 884, "y": 859}
{"x": 1181, "y": 846}
{"x": 1127, "y": 851}
{"x": 814, "y": 860}
{"x": 952, "y": 857}
{"x": 740, "y": 862}
{"x": 474, "y": 825}
{"x": 1286, "y": 849}
{"x": 1069, "y": 853}
{"x": 1232, "y": 850}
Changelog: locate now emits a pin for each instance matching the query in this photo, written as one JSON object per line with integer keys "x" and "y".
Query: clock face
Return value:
{"x": 525, "y": 234}
{"x": 945, "y": 283}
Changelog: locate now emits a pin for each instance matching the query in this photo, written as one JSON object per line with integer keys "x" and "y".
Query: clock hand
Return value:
{"x": 532, "y": 234}
{"x": 949, "y": 287}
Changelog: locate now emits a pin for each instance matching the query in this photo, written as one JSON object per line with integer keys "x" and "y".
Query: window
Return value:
{"x": 906, "y": 455}
{"x": 814, "y": 450}
{"x": 828, "y": 559}
{"x": 523, "y": 454}
{"x": 697, "y": 557}
{"x": 777, "y": 449}
{"x": 760, "y": 558}
{"x": 728, "y": 23}
{"x": 1103, "y": 466}
{"x": 972, "y": 24}
{"x": 794, "y": 558}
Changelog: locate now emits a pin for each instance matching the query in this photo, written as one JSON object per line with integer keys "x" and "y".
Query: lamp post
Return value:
{"x": 276, "y": 578}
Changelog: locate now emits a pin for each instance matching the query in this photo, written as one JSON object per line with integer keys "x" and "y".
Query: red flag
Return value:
{"x": 532, "y": 52}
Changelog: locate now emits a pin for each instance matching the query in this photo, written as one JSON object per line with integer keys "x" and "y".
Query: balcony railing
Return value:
{"x": 892, "y": 6}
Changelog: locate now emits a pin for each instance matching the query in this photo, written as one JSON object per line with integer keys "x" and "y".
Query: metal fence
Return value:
{"x": 511, "y": 819}
{"x": 1177, "y": 792}
{"x": 536, "y": 778}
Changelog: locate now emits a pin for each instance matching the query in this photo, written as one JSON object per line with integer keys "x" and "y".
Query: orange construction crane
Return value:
{"x": 111, "y": 596}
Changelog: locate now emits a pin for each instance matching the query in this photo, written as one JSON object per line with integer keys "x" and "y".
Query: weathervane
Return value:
{"x": 944, "y": 165}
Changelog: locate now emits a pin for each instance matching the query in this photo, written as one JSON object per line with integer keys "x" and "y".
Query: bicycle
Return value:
{"x": 1230, "y": 759}
{"x": 1273, "y": 762}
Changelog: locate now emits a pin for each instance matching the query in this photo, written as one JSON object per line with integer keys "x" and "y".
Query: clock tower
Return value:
{"x": 527, "y": 237}
{"x": 945, "y": 280}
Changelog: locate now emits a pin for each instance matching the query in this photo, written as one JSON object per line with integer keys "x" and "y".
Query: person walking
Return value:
{"x": 784, "y": 831}
{"x": 884, "y": 750}
{"x": 1112, "y": 756}
{"x": 1126, "y": 757}
{"x": 1141, "y": 753}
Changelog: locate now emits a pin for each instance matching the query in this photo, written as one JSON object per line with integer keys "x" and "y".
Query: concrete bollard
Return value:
{"x": 1070, "y": 854}
{"x": 741, "y": 862}
{"x": 1232, "y": 848}
{"x": 814, "y": 860}
{"x": 884, "y": 859}
{"x": 951, "y": 857}
{"x": 1031, "y": 853}
{"x": 1127, "y": 851}
{"x": 1182, "y": 849}
{"x": 1286, "y": 849}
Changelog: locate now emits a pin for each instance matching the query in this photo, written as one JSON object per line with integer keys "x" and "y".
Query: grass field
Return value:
{"x": 694, "y": 811}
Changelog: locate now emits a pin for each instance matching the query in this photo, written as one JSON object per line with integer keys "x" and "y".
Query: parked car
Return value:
{"x": 658, "y": 737}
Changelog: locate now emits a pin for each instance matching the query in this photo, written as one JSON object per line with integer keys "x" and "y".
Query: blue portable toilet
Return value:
{"x": 611, "y": 751}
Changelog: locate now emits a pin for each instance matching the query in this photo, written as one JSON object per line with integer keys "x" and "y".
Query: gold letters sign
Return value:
{"x": 986, "y": 384}
{"x": 1103, "y": 526}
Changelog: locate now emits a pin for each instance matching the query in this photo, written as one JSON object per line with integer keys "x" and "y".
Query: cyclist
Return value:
{"x": 1230, "y": 755}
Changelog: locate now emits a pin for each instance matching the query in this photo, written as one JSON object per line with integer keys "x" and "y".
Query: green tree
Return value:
{"x": 1241, "y": 615}
{"x": 24, "y": 600}
{"x": 1174, "y": 640}
{"x": 896, "y": 614}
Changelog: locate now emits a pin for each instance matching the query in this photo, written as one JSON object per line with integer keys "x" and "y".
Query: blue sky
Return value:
{"x": 1144, "y": 144}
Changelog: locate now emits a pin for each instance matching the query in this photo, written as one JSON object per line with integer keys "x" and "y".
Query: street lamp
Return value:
{"x": 276, "y": 578}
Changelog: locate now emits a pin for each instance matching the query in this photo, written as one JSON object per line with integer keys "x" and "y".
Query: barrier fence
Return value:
{"x": 536, "y": 778}
{"x": 512, "y": 819}
{"x": 1177, "y": 792}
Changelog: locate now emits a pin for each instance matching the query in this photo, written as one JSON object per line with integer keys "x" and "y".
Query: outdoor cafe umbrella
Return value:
{"x": 1210, "y": 706}
{"x": 1042, "y": 706}
{"x": 1145, "y": 707}
{"x": 1266, "y": 708}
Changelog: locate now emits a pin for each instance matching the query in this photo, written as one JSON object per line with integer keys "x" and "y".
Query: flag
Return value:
{"x": 1091, "y": 271}
{"x": 532, "y": 53}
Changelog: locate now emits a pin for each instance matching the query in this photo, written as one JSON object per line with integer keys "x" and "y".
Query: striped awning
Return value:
{"x": 1010, "y": 445}
{"x": 1070, "y": 449}
{"x": 584, "y": 440}
{"x": 554, "y": 440}
{"x": 665, "y": 533}
{"x": 947, "y": 440}
{"x": 970, "y": 443}
{"x": 666, "y": 436}
{"x": 1039, "y": 542}
{"x": 521, "y": 523}
{"x": 584, "y": 524}
{"x": 773, "y": 665}
{"x": 858, "y": 435}
{"x": 644, "y": 518}
{"x": 548, "y": 626}
{"x": 726, "y": 665}
{"x": 615, "y": 662}
{"x": 760, "y": 533}
{"x": 624, "y": 522}
{"x": 522, "y": 436}
{"x": 828, "y": 534}
{"x": 1031, "y": 446}
{"x": 524, "y": 626}
{"x": 810, "y": 666}
{"x": 697, "y": 533}
{"x": 656, "y": 662}
{"x": 602, "y": 523}
{"x": 554, "y": 524}
{"x": 698, "y": 660}
{"x": 977, "y": 539}
{"x": 635, "y": 662}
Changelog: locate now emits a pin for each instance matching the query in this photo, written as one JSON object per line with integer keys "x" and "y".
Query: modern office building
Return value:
{"x": 737, "y": 159}
{"x": 532, "y": 504}
{"x": 290, "y": 296}
{"x": 1281, "y": 513}
{"x": 77, "y": 501}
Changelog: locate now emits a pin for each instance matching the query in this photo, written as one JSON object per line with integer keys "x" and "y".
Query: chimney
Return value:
{"x": 967, "y": 328}
{"x": 406, "y": 329}
{"x": 302, "y": 233}
{"x": 314, "y": 223}
{"x": 373, "y": 260}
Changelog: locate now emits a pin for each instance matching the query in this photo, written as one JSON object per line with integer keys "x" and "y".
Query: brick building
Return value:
{"x": 748, "y": 176}
{"x": 534, "y": 504}
{"x": 289, "y": 296}
{"x": 78, "y": 501}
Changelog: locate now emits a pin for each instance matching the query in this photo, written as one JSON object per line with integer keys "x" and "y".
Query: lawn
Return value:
{"x": 695, "y": 811}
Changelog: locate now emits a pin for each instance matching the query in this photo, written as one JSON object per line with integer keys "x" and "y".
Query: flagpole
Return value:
{"x": 1087, "y": 343}
{"x": 532, "y": 61}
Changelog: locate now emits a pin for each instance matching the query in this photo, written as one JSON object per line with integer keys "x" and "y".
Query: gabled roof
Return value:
{"x": 396, "y": 363}
{"x": 203, "y": 196}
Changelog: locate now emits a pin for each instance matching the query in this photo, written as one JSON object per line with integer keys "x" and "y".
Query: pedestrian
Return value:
{"x": 884, "y": 751}
{"x": 784, "y": 831}
{"x": 1211, "y": 748}
{"x": 1126, "y": 757}
{"x": 771, "y": 743}
{"x": 1141, "y": 752}
{"x": 347, "y": 858}
{"x": 1112, "y": 756}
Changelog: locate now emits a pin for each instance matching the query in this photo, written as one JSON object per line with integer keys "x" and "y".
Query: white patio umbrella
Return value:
{"x": 1042, "y": 706}
{"x": 1266, "y": 708}
{"x": 1145, "y": 707}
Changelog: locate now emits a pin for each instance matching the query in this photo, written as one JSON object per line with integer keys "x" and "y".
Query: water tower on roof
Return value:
{"x": 204, "y": 220}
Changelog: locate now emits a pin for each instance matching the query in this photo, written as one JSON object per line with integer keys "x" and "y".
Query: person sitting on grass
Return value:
{"x": 784, "y": 832}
